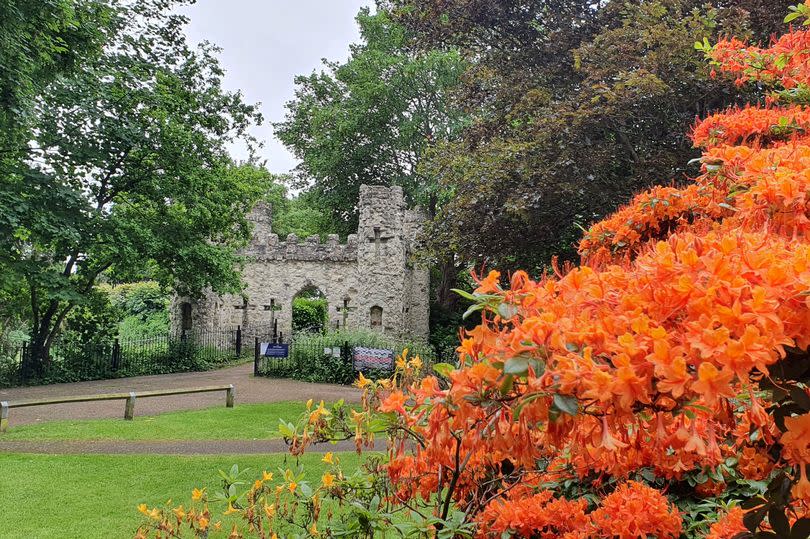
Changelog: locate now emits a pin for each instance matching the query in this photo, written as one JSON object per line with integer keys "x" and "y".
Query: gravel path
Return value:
{"x": 249, "y": 389}
{"x": 185, "y": 447}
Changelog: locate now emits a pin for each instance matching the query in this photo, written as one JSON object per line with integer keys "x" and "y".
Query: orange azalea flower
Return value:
{"x": 490, "y": 284}
{"x": 796, "y": 439}
{"x": 728, "y": 526}
{"x": 713, "y": 383}
{"x": 395, "y": 402}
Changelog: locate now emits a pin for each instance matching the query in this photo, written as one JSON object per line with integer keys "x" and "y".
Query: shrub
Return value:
{"x": 658, "y": 390}
{"x": 309, "y": 314}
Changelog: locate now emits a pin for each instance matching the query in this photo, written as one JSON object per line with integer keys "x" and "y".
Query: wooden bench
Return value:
{"x": 129, "y": 409}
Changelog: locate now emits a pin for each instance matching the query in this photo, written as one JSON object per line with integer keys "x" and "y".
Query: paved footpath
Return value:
{"x": 249, "y": 389}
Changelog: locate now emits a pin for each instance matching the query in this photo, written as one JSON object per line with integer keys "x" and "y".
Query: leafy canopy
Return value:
{"x": 575, "y": 105}
{"x": 128, "y": 167}
{"x": 370, "y": 119}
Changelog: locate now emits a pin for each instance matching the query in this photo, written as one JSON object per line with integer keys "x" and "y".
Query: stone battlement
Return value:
{"x": 270, "y": 248}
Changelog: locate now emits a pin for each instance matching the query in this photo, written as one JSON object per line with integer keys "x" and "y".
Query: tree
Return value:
{"x": 575, "y": 106}
{"x": 369, "y": 120}
{"x": 129, "y": 166}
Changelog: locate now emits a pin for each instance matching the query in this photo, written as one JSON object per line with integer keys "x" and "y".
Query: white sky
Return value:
{"x": 266, "y": 43}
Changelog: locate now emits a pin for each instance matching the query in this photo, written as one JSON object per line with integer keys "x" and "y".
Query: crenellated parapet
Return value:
{"x": 293, "y": 248}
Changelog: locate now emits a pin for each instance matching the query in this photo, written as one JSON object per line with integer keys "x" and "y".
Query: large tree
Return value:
{"x": 369, "y": 120}
{"x": 128, "y": 164}
{"x": 576, "y": 105}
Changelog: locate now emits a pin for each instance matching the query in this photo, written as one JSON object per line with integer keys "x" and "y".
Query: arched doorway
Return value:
{"x": 310, "y": 311}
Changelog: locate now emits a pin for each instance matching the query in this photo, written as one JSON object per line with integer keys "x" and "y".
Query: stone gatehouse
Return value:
{"x": 369, "y": 282}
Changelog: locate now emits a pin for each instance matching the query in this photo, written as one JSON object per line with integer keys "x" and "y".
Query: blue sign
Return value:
{"x": 275, "y": 350}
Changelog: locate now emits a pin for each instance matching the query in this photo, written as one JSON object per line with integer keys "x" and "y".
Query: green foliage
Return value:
{"x": 41, "y": 40}
{"x": 369, "y": 120}
{"x": 309, "y": 314}
{"x": 145, "y": 309}
{"x": 575, "y": 106}
{"x": 94, "y": 322}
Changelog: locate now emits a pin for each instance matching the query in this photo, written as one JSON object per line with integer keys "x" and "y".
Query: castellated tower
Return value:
{"x": 369, "y": 281}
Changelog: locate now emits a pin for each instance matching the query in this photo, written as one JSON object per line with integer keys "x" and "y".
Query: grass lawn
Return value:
{"x": 89, "y": 497}
{"x": 244, "y": 422}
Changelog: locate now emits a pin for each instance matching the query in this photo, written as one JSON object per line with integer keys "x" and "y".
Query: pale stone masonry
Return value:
{"x": 370, "y": 281}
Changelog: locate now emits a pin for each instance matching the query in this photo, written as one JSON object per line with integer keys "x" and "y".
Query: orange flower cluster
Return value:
{"x": 729, "y": 525}
{"x": 784, "y": 63}
{"x": 650, "y": 216}
{"x": 751, "y": 126}
{"x": 632, "y": 511}
{"x": 646, "y": 357}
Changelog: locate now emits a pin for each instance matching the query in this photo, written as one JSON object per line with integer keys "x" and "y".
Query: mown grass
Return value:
{"x": 244, "y": 422}
{"x": 96, "y": 496}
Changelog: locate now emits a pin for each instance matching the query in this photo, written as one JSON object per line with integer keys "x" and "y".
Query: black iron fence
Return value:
{"x": 72, "y": 361}
{"x": 330, "y": 357}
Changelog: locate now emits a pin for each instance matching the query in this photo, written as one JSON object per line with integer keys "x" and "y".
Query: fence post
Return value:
{"x": 230, "y": 396}
{"x": 256, "y": 358}
{"x": 129, "y": 411}
{"x": 23, "y": 362}
{"x": 116, "y": 355}
{"x": 3, "y": 416}
{"x": 238, "y": 341}
{"x": 346, "y": 352}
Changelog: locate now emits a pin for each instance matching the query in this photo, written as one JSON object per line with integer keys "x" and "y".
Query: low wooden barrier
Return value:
{"x": 129, "y": 409}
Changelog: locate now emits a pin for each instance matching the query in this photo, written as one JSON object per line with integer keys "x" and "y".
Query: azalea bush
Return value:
{"x": 660, "y": 389}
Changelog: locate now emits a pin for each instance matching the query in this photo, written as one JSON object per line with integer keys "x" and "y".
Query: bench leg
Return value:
{"x": 230, "y": 396}
{"x": 129, "y": 411}
{"x": 3, "y": 416}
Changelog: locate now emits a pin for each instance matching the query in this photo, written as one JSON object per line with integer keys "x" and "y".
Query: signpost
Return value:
{"x": 268, "y": 349}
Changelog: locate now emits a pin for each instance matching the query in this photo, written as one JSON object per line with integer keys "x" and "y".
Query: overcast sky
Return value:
{"x": 266, "y": 43}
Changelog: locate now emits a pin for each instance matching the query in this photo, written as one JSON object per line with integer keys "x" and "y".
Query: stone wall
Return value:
{"x": 371, "y": 271}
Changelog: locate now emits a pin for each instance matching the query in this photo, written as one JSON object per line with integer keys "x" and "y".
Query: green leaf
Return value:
{"x": 471, "y": 310}
{"x": 444, "y": 369}
{"x": 778, "y": 521}
{"x": 464, "y": 294}
{"x": 518, "y": 366}
{"x": 507, "y": 311}
{"x": 566, "y": 403}
{"x": 800, "y": 529}
{"x": 507, "y": 384}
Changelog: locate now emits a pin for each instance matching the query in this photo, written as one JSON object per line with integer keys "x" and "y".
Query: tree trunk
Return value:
{"x": 448, "y": 278}
{"x": 37, "y": 356}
